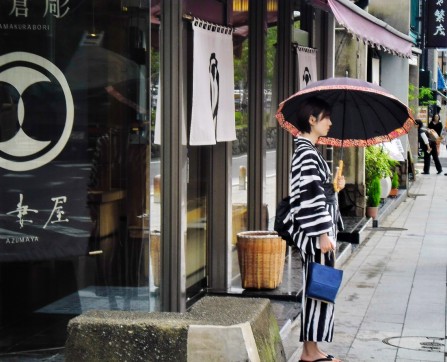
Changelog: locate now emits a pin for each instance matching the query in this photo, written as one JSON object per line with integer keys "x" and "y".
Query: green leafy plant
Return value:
{"x": 374, "y": 192}
{"x": 395, "y": 180}
{"x": 377, "y": 164}
{"x": 422, "y": 96}
{"x": 426, "y": 97}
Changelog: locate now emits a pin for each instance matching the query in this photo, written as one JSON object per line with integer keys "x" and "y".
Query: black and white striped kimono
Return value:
{"x": 312, "y": 216}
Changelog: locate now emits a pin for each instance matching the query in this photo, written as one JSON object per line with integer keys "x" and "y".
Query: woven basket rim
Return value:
{"x": 258, "y": 234}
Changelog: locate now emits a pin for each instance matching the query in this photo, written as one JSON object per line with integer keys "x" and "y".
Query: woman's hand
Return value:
{"x": 341, "y": 183}
{"x": 326, "y": 243}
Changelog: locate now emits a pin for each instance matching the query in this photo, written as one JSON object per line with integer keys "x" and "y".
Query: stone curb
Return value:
{"x": 214, "y": 329}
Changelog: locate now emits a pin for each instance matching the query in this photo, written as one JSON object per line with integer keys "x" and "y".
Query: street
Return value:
{"x": 392, "y": 304}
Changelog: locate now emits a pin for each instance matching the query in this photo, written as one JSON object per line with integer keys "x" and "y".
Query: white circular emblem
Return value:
{"x": 26, "y": 152}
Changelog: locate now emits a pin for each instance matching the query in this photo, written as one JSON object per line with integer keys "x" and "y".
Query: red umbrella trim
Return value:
{"x": 369, "y": 142}
{"x": 347, "y": 142}
{"x": 289, "y": 127}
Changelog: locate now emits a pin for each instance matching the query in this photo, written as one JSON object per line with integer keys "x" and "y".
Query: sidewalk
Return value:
{"x": 392, "y": 305}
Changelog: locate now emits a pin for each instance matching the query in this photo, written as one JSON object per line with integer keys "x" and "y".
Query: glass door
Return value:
{"x": 196, "y": 232}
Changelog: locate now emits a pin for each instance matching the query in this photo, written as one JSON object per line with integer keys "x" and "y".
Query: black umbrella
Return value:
{"x": 93, "y": 67}
{"x": 362, "y": 113}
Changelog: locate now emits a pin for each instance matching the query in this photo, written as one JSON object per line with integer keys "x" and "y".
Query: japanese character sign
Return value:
{"x": 55, "y": 8}
{"x": 436, "y": 28}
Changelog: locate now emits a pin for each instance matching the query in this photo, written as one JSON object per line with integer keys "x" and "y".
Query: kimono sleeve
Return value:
{"x": 311, "y": 215}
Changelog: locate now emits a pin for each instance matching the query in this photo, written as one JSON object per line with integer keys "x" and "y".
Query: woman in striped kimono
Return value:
{"x": 315, "y": 212}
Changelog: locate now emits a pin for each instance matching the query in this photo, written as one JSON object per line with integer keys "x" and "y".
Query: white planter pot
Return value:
{"x": 385, "y": 184}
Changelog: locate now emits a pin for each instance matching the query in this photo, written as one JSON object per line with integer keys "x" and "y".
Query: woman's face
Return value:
{"x": 435, "y": 118}
{"x": 322, "y": 125}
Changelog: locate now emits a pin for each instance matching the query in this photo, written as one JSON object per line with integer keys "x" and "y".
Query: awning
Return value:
{"x": 366, "y": 27}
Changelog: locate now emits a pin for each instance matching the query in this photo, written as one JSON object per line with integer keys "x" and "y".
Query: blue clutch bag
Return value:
{"x": 323, "y": 282}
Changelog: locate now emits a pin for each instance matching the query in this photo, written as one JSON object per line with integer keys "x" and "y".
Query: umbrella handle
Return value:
{"x": 338, "y": 174}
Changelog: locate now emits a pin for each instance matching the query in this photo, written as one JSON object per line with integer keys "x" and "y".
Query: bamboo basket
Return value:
{"x": 261, "y": 259}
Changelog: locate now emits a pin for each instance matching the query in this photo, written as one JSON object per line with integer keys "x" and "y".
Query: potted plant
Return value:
{"x": 394, "y": 184}
{"x": 392, "y": 164}
{"x": 373, "y": 198}
{"x": 378, "y": 164}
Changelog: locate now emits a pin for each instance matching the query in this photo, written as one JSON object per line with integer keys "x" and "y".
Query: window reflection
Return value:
{"x": 240, "y": 146}
{"x": 109, "y": 74}
{"x": 100, "y": 257}
{"x": 154, "y": 265}
{"x": 197, "y": 221}
{"x": 270, "y": 124}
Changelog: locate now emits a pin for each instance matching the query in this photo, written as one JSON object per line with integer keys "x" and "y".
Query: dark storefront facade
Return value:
{"x": 75, "y": 151}
{"x": 105, "y": 204}
{"x": 106, "y": 201}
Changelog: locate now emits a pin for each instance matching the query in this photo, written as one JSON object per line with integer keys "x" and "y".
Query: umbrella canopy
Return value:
{"x": 362, "y": 113}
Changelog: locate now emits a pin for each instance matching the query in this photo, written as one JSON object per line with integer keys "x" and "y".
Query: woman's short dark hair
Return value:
{"x": 419, "y": 123}
{"x": 310, "y": 107}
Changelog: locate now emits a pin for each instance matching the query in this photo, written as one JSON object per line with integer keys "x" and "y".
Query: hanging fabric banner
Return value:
{"x": 307, "y": 66}
{"x": 436, "y": 24}
{"x": 212, "y": 118}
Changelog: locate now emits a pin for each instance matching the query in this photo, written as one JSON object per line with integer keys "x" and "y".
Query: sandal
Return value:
{"x": 328, "y": 358}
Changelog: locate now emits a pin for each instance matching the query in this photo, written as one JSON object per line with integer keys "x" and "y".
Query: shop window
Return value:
{"x": 270, "y": 102}
{"x": 240, "y": 146}
{"x": 76, "y": 165}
